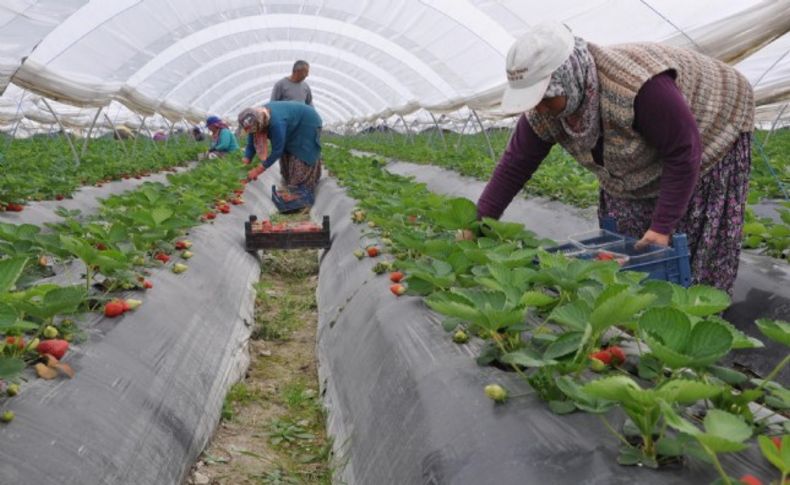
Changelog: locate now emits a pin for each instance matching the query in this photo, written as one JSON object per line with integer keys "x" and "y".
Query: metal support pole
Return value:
{"x": 170, "y": 132}
{"x": 90, "y": 131}
{"x": 117, "y": 134}
{"x": 488, "y": 140}
{"x": 66, "y": 135}
{"x": 389, "y": 131}
{"x": 405, "y": 125}
{"x": 16, "y": 126}
{"x": 773, "y": 125}
{"x": 461, "y": 134}
{"x": 439, "y": 130}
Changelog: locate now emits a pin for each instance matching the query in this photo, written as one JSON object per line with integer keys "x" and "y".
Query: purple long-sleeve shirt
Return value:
{"x": 661, "y": 116}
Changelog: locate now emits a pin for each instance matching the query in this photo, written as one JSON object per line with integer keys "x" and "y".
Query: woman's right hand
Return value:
{"x": 255, "y": 172}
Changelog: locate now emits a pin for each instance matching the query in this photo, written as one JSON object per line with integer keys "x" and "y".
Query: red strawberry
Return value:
{"x": 224, "y": 208}
{"x": 183, "y": 244}
{"x": 147, "y": 284}
{"x": 59, "y": 197}
{"x": 56, "y": 348}
{"x": 602, "y": 355}
{"x": 101, "y": 246}
{"x": 162, "y": 257}
{"x": 238, "y": 191}
{"x": 13, "y": 207}
{"x": 618, "y": 356}
{"x": 236, "y": 201}
{"x": 113, "y": 308}
{"x": 373, "y": 251}
{"x": 396, "y": 276}
{"x": 750, "y": 480}
{"x": 18, "y": 341}
{"x": 604, "y": 256}
{"x": 397, "y": 289}
{"x": 777, "y": 441}
{"x": 209, "y": 215}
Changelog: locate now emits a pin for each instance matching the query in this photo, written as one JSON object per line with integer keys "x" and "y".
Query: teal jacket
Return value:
{"x": 226, "y": 142}
{"x": 294, "y": 128}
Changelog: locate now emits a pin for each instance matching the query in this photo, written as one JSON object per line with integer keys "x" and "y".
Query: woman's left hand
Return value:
{"x": 652, "y": 237}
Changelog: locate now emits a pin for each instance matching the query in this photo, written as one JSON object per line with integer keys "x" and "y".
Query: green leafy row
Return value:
{"x": 43, "y": 168}
{"x": 557, "y": 321}
{"x": 560, "y": 177}
{"x": 131, "y": 232}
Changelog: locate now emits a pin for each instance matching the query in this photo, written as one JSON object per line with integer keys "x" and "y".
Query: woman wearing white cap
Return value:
{"x": 665, "y": 130}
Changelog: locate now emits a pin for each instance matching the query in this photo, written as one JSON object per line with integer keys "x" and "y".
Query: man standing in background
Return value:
{"x": 293, "y": 87}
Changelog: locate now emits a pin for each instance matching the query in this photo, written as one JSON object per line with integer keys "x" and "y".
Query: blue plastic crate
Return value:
{"x": 668, "y": 264}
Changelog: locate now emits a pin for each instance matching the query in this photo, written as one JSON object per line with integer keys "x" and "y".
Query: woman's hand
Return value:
{"x": 652, "y": 237}
{"x": 255, "y": 172}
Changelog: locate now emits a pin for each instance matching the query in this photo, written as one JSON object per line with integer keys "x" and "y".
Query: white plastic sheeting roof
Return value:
{"x": 369, "y": 60}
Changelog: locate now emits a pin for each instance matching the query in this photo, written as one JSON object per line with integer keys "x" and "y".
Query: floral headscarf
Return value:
{"x": 577, "y": 80}
{"x": 215, "y": 128}
{"x": 256, "y": 121}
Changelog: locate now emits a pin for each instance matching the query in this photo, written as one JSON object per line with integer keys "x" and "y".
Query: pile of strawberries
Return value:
{"x": 610, "y": 356}
{"x": 11, "y": 207}
{"x": 300, "y": 226}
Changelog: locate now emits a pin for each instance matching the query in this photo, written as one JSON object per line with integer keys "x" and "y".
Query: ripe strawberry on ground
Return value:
{"x": 114, "y": 308}
{"x": 396, "y": 276}
{"x": 147, "y": 284}
{"x": 55, "y": 347}
{"x": 14, "y": 207}
{"x": 209, "y": 216}
{"x": 750, "y": 480}
{"x": 59, "y": 197}
{"x": 373, "y": 251}
{"x": 777, "y": 442}
{"x": 602, "y": 355}
{"x": 397, "y": 289}
{"x": 224, "y": 208}
{"x": 618, "y": 356}
{"x": 162, "y": 257}
{"x": 101, "y": 246}
{"x": 183, "y": 244}
{"x": 12, "y": 341}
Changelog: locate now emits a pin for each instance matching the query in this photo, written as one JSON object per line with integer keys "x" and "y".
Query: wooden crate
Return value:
{"x": 254, "y": 240}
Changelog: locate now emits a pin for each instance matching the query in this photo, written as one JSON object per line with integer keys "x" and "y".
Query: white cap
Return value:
{"x": 531, "y": 61}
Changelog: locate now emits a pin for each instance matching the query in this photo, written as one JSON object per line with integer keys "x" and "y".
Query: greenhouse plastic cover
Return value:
{"x": 149, "y": 386}
{"x": 369, "y": 60}
{"x": 406, "y": 404}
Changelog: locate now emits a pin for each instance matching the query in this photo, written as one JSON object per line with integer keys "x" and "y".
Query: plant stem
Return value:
{"x": 776, "y": 370}
{"x": 614, "y": 431}
{"x": 717, "y": 464}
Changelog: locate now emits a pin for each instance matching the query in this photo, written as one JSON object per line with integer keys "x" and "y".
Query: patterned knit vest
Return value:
{"x": 720, "y": 98}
